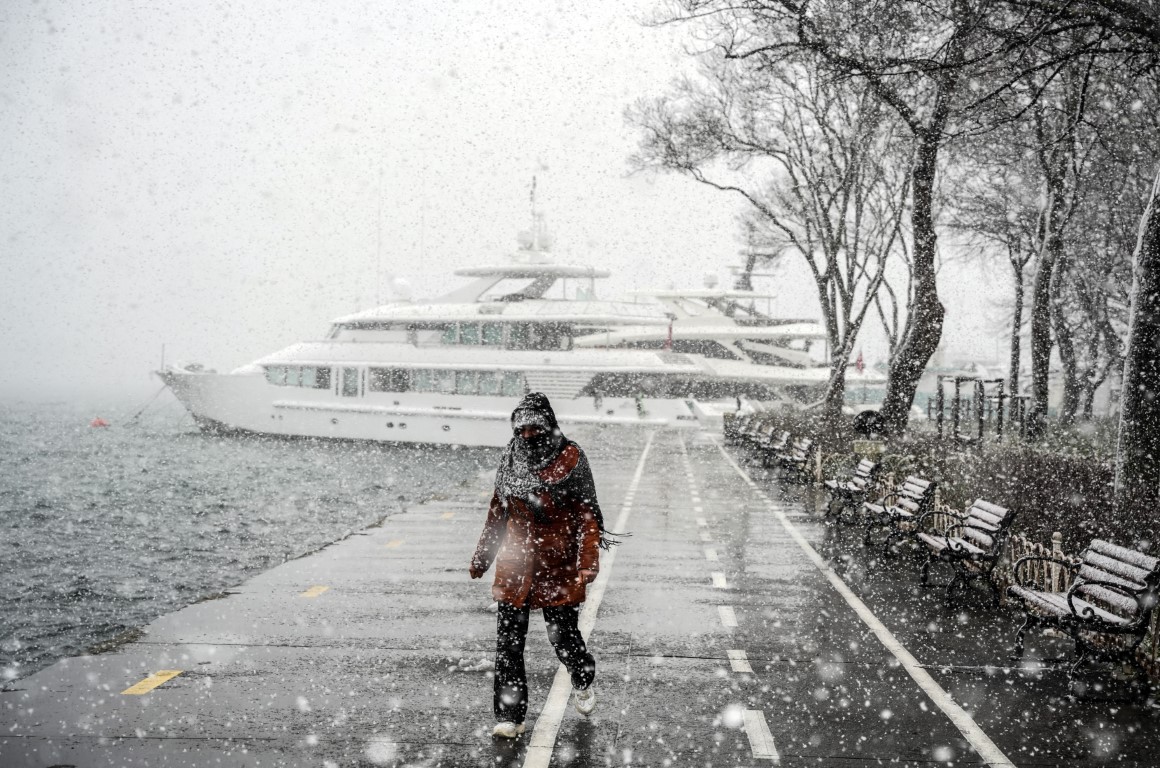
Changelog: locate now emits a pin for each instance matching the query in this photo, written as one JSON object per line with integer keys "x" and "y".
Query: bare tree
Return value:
{"x": 912, "y": 57}
{"x": 995, "y": 206}
{"x": 818, "y": 164}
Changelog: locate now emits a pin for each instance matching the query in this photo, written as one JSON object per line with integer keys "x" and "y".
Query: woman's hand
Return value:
{"x": 476, "y": 571}
{"x": 587, "y": 575}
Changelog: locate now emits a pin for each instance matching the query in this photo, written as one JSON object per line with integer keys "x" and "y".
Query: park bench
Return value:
{"x": 852, "y": 490}
{"x": 972, "y": 546}
{"x": 1112, "y": 594}
{"x": 772, "y": 446}
{"x": 732, "y": 424}
{"x": 899, "y": 509}
{"x": 798, "y": 458}
{"x": 754, "y": 431}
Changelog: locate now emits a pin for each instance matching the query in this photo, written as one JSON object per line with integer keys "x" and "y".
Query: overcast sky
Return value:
{"x": 211, "y": 178}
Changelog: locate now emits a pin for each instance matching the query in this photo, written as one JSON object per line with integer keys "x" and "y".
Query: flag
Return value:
{"x": 859, "y": 364}
{"x": 669, "y": 340}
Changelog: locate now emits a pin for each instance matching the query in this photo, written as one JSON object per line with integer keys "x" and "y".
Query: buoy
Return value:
{"x": 98, "y": 422}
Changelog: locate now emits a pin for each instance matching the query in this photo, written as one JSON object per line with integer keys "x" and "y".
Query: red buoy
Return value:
{"x": 98, "y": 422}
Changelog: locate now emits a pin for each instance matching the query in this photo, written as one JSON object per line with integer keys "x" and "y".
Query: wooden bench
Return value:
{"x": 1111, "y": 598}
{"x": 972, "y": 546}
{"x": 852, "y": 490}
{"x": 899, "y": 509}
{"x": 773, "y": 445}
{"x": 798, "y": 458}
{"x": 732, "y": 425}
{"x": 755, "y": 431}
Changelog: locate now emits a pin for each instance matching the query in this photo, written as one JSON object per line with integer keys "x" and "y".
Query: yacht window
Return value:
{"x": 517, "y": 337}
{"x": 444, "y": 381}
{"x": 465, "y": 383}
{"x": 492, "y": 334}
{"x": 309, "y": 377}
{"x": 388, "y": 380}
{"x": 468, "y": 333}
{"x": 489, "y": 383}
{"x": 276, "y": 374}
{"x": 423, "y": 381}
{"x": 450, "y": 335}
{"x": 350, "y": 382}
{"x": 513, "y": 384}
{"x": 321, "y": 378}
{"x": 293, "y": 376}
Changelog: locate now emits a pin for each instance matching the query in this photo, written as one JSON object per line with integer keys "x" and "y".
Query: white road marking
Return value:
{"x": 543, "y": 739}
{"x": 760, "y": 739}
{"x": 702, "y": 521}
{"x": 728, "y": 617}
{"x": 975, "y": 735}
{"x": 705, "y": 536}
{"x": 739, "y": 661}
{"x": 698, "y": 509}
{"x": 711, "y": 555}
{"x": 719, "y": 580}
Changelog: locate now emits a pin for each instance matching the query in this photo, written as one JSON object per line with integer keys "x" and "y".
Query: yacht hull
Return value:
{"x": 248, "y": 404}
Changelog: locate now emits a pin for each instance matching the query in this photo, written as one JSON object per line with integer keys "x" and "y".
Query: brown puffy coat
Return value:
{"x": 538, "y": 565}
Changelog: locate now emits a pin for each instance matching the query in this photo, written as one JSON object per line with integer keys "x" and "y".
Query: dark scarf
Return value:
{"x": 518, "y": 476}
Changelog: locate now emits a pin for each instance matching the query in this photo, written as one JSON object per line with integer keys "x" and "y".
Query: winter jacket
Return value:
{"x": 537, "y": 565}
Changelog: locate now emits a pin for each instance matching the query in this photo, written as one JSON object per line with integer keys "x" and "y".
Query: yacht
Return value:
{"x": 449, "y": 370}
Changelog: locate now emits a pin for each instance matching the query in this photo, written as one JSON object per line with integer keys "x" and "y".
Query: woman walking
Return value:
{"x": 544, "y": 532}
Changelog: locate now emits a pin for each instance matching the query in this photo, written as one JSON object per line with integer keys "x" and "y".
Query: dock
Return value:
{"x": 735, "y": 627}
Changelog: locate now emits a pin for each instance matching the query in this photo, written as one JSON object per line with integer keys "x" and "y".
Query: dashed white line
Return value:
{"x": 711, "y": 555}
{"x": 739, "y": 662}
{"x": 705, "y": 536}
{"x": 702, "y": 521}
{"x": 719, "y": 580}
{"x": 760, "y": 739}
{"x": 728, "y": 617}
{"x": 975, "y": 735}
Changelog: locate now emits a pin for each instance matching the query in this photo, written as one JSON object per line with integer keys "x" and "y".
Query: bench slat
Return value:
{"x": 1137, "y": 576}
{"x": 1138, "y": 559}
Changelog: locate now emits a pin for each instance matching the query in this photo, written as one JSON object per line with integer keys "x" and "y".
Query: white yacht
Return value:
{"x": 449, "y": 370}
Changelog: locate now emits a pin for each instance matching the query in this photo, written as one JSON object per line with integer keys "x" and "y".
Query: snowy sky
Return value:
{"x": 210, "y": 177}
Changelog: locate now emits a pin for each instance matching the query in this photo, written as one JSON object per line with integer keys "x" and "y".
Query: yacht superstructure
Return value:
{"x": 448, "y": 370}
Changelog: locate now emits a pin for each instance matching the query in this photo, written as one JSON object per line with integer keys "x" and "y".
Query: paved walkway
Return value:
{"x": 722, "y": 634}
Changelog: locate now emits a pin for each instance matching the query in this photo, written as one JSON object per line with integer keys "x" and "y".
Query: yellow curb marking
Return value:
{"x": 151, "y": 682}
{"x": 447, "y": 515}
{"x": 393, "y": 543}
{"x": 314, "y": 591}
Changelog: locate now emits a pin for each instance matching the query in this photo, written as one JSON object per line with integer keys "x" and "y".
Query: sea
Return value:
{"x": 107, "y": 528}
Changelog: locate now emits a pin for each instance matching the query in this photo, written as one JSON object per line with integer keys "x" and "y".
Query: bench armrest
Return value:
{"x": 1015, "y": 569}
{"x": 1088, "y": 614}
{"x": 932, "y": 512}
{"x": 957, "y": 547}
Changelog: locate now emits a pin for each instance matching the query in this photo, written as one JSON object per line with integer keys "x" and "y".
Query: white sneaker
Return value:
{"x": 507, "y": 729}
{"x": 584, "y": 700}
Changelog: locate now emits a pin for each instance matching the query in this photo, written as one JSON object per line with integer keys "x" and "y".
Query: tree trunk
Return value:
{"x": 1041, "y": 342}
{"x": 1138, "y": 447}
{"x": 1069, "y": 365}
{"x": 1016, "y": 328}
{"x": 927, "y": 311}
{"x": 835, "y": 399}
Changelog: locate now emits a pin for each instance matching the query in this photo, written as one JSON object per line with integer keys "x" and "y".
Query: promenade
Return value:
{"x": 734, "y": 628}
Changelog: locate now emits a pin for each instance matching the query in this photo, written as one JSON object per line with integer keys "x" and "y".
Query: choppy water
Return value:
{"x": 103, "y": 530}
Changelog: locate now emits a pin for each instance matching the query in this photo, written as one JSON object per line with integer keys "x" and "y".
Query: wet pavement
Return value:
{"x": 734, "y": 628}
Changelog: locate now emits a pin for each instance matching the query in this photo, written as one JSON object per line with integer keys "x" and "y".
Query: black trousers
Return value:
{"x": 511, "y": 680}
